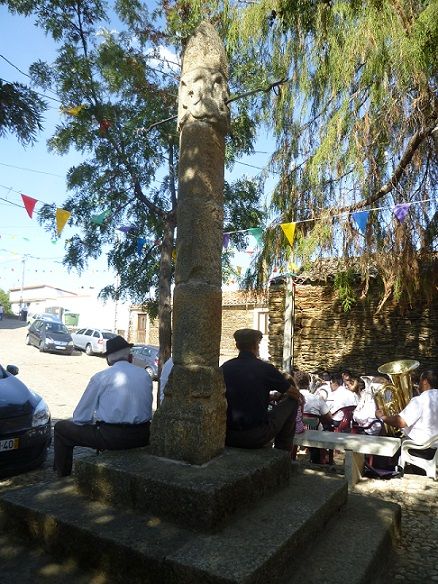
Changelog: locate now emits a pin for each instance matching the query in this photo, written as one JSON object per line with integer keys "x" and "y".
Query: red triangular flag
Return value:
{"x": 29, "y": 204}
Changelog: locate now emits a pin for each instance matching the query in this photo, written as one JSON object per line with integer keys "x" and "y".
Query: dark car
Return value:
{"x": 146, "y": 356}
{"x": 25, "y": 425}
{"x": 50, "y": 336}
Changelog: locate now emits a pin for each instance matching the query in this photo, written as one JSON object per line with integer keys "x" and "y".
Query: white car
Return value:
{"x": 91, "y": 340}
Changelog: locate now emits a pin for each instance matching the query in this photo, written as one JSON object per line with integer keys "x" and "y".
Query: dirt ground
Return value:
{"x": 59, "y": 379}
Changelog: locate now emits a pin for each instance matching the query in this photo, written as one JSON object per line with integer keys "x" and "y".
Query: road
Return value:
{"x": 59, "y": 379}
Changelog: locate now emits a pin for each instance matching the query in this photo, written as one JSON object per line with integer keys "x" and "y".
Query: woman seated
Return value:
{"x": 365, "y": 413}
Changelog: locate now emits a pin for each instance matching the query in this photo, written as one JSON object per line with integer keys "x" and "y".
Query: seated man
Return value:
{"x": 314, "y": 404}
{"x": 419, "y": 419}
{"x": 248, "y": 382}
{"x": 341, "y": 397}
{"x": 114, "y": 412}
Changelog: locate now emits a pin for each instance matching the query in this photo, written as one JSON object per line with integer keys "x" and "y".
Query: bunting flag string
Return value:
{"x": 399, "y": 211}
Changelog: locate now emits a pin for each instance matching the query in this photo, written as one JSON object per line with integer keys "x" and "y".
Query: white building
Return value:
{"x": 91, "y": 311}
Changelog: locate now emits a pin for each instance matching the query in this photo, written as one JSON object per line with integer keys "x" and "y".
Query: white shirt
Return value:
{"x": 165, "y": 372}
{"x": 121, "y": 394}
{"x": 314, "y": 404}
{"x": 421, "y": 416}
{"x": 341, "y": 398}
{"x": 365, "y": 412}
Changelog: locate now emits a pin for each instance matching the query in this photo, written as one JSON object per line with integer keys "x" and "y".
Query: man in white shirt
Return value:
{"x": 114, "y": 412}
{"x": 164, "y": 377}
{"x": 314, "y": 404}
{"x": 341, "y": 397}
{"x": 419, "y": 419}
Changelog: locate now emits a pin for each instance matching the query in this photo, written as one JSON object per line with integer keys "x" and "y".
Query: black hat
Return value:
{"x": 117, "y": 344}
{"x": 248, "y": 335}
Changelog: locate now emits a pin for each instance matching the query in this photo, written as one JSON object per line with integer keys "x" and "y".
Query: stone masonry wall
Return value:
{"x": 233, "y": 317}
{"x": 327, "y": 338}
{"x": 276, "y": 303}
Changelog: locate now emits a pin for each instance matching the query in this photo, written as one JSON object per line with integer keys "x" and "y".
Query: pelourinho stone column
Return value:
{"x": 190, "y": 424}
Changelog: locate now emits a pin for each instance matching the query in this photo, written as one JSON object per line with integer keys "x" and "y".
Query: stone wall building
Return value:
{"x": 320, "y": 335}
{"x": 239, "y": 310}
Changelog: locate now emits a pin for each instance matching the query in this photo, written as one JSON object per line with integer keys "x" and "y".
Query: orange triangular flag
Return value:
{"x": 29, "y": 204}
{"x": 62, "y": 216}
{"x": 289, "y": 231}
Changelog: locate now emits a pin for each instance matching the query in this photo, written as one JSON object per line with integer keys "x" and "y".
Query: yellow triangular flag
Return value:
{"x": 73, "y": 111}
{"x": 62, "y": 216}
{"x": 289, "y": 231}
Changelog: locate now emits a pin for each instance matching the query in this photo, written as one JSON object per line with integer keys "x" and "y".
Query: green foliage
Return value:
{"x": 344, "y": 286}
{"x": 124, "y": 86}
{"x": 5, "y": 302}
{"x": 21, "y": 111}
{"x": 355, "y": 121}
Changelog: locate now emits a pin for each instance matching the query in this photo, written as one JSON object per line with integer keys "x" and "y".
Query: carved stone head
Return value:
{"x": 203, "y": 91}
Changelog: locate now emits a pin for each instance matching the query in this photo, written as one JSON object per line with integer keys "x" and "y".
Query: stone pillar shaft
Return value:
{"x": 190, "y": 424}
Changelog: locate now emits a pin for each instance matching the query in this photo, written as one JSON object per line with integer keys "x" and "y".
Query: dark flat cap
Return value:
{"x": 248, "y": 335}
{"x": 117, "y": 344}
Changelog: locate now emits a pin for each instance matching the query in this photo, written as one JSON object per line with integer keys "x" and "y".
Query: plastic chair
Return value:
{"x": 311, "y": 421}
{"x": 347, "y": 421}
{"x": 428, "y": 465}
{"x": 356, "y": 429}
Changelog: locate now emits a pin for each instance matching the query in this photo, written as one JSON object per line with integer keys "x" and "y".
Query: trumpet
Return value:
{"x": 395, "y": 396}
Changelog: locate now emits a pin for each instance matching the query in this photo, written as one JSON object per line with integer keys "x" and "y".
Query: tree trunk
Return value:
{"x": 165, "y": 297}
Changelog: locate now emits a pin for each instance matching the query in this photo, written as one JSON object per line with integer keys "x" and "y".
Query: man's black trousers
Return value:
{"x": 280, "y": 428}
{"x": 100, "y": 436}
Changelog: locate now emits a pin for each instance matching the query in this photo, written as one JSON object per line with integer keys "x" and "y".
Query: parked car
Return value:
{"x": 146, "y": 356}
{"x": 42, "y": 316}
{"x": 25, "y": 425}
{"x": 92, "y": 341}
{"x": 50, "y": 336}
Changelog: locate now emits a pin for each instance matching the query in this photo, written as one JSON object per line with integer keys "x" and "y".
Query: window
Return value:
{"x": 96, "y": 334}
{"x": 88, "y": 332}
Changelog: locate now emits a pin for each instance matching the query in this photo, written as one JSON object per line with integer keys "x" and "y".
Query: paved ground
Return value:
{"x": 61, "y": 381}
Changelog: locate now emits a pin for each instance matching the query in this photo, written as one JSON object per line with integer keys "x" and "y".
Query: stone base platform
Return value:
{"x": 201, "y": 497}
{"x": 300, "y": 527}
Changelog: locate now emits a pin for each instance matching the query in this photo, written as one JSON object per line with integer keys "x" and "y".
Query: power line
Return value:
{"x": 29, "y": 77}
{"x": 32, "y": 170}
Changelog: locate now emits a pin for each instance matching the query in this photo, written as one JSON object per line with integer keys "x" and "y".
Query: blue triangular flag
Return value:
{"x": 361, "y": 218}
{"x": 140, "y": 244}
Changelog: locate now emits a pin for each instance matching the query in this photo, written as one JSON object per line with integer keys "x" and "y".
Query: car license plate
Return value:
{"x": 9, "y": 444}
{"x": 59, "y": 348}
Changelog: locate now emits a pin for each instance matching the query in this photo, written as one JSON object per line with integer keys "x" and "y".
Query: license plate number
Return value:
{"x": 60, "y": 348}
{"x": 9, "y": 444}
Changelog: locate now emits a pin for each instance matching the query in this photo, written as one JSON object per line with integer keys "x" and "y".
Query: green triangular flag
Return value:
{"x": 257, "y": 233}
{"x": 99, "y": 219}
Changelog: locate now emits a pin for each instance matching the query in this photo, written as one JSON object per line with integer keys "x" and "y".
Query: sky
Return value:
{"x": 28, "y": 255}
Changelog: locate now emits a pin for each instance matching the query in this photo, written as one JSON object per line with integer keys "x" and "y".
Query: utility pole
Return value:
{"x": 23, "y": 261}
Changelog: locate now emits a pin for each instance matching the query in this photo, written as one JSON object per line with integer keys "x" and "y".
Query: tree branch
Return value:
{"x": 412, "y": 147}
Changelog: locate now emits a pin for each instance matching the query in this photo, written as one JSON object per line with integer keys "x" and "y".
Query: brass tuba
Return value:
{"x": 395, "y": 396}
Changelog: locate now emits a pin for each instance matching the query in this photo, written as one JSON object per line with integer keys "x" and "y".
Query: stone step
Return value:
{"x": 200, "y": 497}
{"x": 22, "y": 563}
{"x": 127, "y": 546}
{"x": 355, "y": 546}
